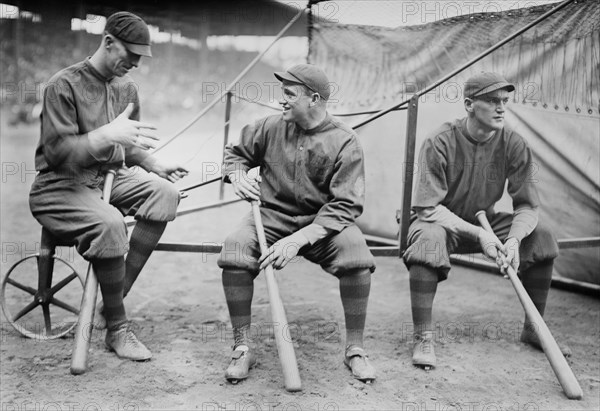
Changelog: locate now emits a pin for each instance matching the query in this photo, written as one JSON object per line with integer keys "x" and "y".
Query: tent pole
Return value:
{"x": 409, "y": 170}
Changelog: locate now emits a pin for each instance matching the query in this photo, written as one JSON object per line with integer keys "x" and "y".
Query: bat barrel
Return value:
{"x": 557, "y": 361}
{"x": 285, "y": 347}
{"x": 83, "y": 331}
{"x": 283, "y": 338}
{"x": 85, "y": 323}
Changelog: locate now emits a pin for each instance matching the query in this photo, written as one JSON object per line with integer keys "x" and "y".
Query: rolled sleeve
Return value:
{"x": 135, "y": 156}
{"x": 524, "y": 222}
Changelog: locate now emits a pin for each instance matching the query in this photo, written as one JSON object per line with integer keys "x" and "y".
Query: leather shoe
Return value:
{"x": 423, "y": 350}
{"x": 125, "y": 344}
{"x": 357, "y": 361}
{"x": 528, "y": 336}
{"x": 242, "y": 359}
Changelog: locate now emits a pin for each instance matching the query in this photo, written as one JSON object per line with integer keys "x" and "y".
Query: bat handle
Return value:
{"x": 260, "y": 230}
{"x": 85, "y": 324}
{"x": 483, "y": 221}
{"x": 555, "y": 357}
{"x": 109, "y": 178}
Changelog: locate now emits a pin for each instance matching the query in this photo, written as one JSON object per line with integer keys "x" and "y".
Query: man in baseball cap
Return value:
{"x": 486, "y": 82}
{"x": 83, "y": 134}
{"x": 463, "y": 168}
{"x": 311, "y": 190}
{"x": 131, "y": 30}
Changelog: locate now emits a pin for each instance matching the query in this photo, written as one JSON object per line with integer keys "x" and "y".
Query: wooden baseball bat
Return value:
{"x": 85, "y": 324}
{"x": 285, "y": 348}
{"x": 556, "y": 358}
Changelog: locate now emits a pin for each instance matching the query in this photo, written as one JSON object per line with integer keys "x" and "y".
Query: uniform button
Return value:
{"x": 301, "y": 148}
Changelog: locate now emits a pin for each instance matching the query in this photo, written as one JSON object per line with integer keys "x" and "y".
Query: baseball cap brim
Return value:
{"x": 308, "y": 75}
{"x": 496, "y": 86}
{"x": 285, "y": 76}
{"x": 139, "y": 49}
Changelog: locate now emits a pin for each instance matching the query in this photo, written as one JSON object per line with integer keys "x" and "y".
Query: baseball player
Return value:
{"x": 311, "y": 191}
{"x": 90, "y": 123}
{"x": 463, "y": 168}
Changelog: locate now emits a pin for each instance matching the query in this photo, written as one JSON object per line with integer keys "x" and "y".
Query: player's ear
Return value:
{"x": 469, "y": 105}
{"x": 108, "y": 40}
{"x": 315, "y": 99}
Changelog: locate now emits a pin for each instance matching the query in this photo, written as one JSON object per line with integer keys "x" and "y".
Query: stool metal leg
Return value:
{"x": 45, "y": 270}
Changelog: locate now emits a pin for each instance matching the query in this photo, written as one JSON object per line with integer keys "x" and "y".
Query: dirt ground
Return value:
{"x": 180, "y": 313}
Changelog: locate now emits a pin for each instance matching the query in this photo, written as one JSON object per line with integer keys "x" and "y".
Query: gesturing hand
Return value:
{"x": 122, "y": 130}
{"x": 169, "y": 171}
{"x": 283, "y": 251}
{"x": 245, "y": 186}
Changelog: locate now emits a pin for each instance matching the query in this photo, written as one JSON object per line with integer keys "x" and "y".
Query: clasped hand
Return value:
{"x": 504, "y": 254}
{"x": 246, "y": 187}
{"x": 511, "y": 255}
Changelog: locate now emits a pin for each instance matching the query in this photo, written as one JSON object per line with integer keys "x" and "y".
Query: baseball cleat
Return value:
{"x": 357, "y": 361}
{"x": 242, "y": 359}
{"x": 423, "y": 351}
{"x": 528, "y": 336}
{"x": 125, "y": 344}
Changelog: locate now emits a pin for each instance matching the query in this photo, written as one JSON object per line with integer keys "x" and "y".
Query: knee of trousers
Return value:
{"x": 161, "y": 204}
{"x": 349, "y": 260}
{"x": 539, "y": 246}
{"x": 237, "y": 254}
{"x": 342, "y": 268}
{"x": 427, "y": 245}
{"x": 106, "y": 239}
{"x": 342, "y": 254}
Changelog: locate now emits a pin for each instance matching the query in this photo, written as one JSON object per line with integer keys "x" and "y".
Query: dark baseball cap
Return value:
{"x": 309, "y": 75}
{"x": 486, "y": 82}
{"x": 131, "y": 30}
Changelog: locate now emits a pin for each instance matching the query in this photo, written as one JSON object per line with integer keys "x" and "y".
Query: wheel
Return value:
{"x": 42, "y": 313}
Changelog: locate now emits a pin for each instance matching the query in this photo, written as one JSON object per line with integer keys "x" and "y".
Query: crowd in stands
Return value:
{"x": 177, "y": 78}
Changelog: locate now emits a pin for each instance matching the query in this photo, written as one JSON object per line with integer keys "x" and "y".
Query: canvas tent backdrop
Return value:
{"x": 555, "y": 67}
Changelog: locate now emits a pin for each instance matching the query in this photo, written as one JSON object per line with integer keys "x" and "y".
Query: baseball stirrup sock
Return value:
{"x": 110, "y": 273}
{"x": 354, "y": 290}
{"x": 239, "y": 289}
{"x": 536, "y": 281}
{"x": 144, "y": 237}
{"x": 423, "y": 286}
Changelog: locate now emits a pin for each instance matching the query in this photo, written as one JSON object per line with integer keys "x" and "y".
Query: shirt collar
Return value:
{"x": 320, "y": 126}
{"x": 465, "y": 132}
{"x": 95, "y": 72}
